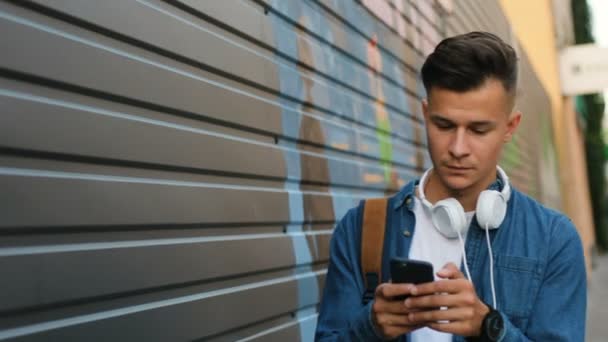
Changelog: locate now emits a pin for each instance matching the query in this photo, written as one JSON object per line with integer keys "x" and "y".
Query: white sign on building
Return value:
{"x": 584, "y": 69}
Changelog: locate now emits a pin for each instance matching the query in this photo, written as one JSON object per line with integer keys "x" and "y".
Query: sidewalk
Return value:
{"x": 597, "y": 304}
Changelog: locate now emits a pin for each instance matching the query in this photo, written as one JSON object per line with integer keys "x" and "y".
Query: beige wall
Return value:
{"x": 533, "y": 24}
{"x": 581, "y": 212}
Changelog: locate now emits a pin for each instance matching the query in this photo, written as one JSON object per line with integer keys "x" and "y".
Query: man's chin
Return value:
{"x": 456, "y": 182}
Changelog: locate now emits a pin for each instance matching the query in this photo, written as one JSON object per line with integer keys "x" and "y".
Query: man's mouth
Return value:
{"x": 458, "y": 168}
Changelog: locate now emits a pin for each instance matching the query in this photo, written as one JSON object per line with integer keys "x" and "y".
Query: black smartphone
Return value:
{"x": 410, "y": 271}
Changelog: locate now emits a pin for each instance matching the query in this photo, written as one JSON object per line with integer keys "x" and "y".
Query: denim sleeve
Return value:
{"x": 560, "y": 308}
{"x": 342, "y": 315}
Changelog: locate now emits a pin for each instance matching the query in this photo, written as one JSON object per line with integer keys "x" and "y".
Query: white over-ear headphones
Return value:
{"x": 448, "y": 215}
{"x": 449, "y": 218}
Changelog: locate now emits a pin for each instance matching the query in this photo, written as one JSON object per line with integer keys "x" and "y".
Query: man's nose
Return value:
{"x": 459, "y": 146}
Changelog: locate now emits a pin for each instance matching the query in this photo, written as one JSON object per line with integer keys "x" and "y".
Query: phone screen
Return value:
{"x": 409, "y": 271}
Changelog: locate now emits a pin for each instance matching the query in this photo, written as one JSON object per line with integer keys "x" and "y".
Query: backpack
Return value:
{"x": 372, "y": 244}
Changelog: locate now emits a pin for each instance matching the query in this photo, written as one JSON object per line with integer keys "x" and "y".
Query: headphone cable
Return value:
{"x": 464, "y": 257}
{"x": 491, "y": 267}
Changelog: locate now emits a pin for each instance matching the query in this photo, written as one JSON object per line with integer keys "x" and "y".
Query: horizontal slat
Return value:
{"x": 190, "y": 317}
{"x": 60, "y": 126}
{"x": 44, "y": 275}
{"x": 65, "y": 199}
{"x": 52, "y": 125}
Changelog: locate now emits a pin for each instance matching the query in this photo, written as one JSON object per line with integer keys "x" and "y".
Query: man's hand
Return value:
{"x": 460, "y": 305}
{"x": 389, "y": 315}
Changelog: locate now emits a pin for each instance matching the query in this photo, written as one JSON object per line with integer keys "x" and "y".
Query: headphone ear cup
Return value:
{"x": 491, "y": 209}
{"x": 449, "y": 218}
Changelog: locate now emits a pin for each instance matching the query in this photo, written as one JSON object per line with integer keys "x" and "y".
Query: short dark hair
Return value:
{"x": 464, "y": 62}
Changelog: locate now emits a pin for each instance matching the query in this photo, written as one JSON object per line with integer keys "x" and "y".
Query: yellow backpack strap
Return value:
{"x": 372, "y": 244}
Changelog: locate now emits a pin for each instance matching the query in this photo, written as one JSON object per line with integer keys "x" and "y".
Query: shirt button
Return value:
{"x": 407, "y": 233}
{"x": 408, "y": 201}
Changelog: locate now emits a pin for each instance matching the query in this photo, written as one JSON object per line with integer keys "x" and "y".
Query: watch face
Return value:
{"x": 494, "y": 326}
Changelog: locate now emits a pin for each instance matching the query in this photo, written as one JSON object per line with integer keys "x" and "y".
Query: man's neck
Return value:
{"x": 436, "y": 191}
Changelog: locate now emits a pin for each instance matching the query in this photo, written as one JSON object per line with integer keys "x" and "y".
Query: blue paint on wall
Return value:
{"x": 303, "y": 84}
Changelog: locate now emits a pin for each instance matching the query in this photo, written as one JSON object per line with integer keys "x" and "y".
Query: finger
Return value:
{"x": 383, "y": 305}
{"x": 450, "y": 271}
{"x": 442, "y": 286}
{"x": 430, "y": 302}
{"x": 392, "y": 326}
{"x": 389, "y": 290}
{"x": 466, "y": 299}
{"x": 433, "y": 316}
{"x": 389, "y": 319}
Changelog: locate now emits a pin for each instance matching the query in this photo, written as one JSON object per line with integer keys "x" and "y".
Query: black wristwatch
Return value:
{"x": 492, "y": 327}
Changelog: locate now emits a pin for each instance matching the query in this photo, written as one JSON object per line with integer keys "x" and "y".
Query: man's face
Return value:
{"x": 466, "y": 132}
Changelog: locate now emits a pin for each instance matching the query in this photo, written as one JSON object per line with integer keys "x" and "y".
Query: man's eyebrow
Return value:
{"x": 482, "y": 123}
{"x": 439, "y": 117}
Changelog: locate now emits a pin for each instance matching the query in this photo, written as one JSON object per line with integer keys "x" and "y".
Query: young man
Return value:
{"x": 527, "y": 275}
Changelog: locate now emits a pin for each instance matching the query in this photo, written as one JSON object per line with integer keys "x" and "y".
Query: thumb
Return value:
{"x": 450, "y": 271}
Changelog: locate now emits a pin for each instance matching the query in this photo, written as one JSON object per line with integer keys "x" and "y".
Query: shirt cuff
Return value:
{"x": 509, "y": 332}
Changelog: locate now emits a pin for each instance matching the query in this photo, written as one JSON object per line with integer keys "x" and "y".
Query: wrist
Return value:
{"x": 485, "y": 309}
{"x": 492, "y": 326}
{"x": 482, "y": 312}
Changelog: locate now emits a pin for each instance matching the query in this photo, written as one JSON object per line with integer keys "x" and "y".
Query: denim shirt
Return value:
{"x": 539, "y": 271}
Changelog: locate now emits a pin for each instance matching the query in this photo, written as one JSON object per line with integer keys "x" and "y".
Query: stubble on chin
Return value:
{"x": 456, "y": 191}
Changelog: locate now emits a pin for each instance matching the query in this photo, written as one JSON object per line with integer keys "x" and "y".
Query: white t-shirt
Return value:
{"x": 429, "y": 245}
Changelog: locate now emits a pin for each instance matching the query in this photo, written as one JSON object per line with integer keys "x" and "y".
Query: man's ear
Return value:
{"x": 514, "y": 121}
{"x": 425, "y": 108}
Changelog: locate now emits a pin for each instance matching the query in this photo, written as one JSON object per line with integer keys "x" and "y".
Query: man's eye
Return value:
{"x": 479, "y": 131}
{"x": 443, "y": 125}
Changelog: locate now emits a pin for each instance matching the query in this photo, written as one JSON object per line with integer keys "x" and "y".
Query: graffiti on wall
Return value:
{"x": 317, "y": 110}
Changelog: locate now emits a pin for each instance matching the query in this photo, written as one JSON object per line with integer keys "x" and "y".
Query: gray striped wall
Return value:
{"x": 172, "y": 170}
